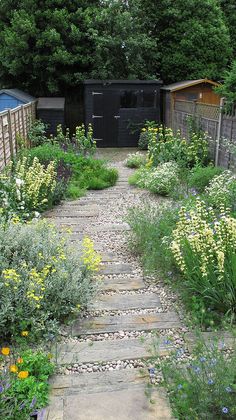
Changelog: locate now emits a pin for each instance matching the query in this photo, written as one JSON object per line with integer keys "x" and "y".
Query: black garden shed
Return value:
{"x": 52, "y": 112}
{"x": 117, "y": 109}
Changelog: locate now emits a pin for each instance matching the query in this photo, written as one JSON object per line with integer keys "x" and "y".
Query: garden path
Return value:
{"x": 103, "y": 373}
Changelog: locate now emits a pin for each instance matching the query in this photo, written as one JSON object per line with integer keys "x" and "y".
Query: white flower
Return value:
{"x": 36, "y": 214}
{"x": 19, "y": 182}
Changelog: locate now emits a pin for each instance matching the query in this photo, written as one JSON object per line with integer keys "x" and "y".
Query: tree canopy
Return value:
{"x": 49, "y": 47}
{"x": 191, "y": 36}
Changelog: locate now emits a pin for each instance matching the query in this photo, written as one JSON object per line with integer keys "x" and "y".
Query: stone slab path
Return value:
{"x": 103, "y": 353}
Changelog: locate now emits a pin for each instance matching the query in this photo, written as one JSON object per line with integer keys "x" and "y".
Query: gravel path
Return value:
{"x": 112, "y": 337}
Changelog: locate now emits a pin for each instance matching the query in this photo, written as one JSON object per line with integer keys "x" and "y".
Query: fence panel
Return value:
{"x": 13, "y": 123}
{"x": 207, "y": 117}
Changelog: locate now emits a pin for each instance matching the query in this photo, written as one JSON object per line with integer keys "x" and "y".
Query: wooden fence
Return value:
{"x": 14, "y": 124}
{"x": 220, "y": 127}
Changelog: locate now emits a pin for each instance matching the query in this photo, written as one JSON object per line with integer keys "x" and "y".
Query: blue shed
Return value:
{"x": 11, "y": 98}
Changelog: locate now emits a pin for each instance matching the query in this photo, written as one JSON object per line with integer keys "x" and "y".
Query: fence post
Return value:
{"x": 23, "y": 121}
{"x": 3, "y": 141}
{"x": 219, "y": 131}
{"x": 10, "y": 132}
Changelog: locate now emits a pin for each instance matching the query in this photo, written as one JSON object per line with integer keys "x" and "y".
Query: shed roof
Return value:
{"x": 120, "y": 81}
{"x": 18, "y": 94}
{"x": 51, "y": 103}
{"x": 187, "y": 83}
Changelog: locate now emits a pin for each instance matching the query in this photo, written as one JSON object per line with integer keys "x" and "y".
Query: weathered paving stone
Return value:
{"x": 110, "y": 396}
{"x": 95, "y": 382}
{"x": 106, "y": 351}
{"x": 118, "y": 268}
{"x": 112, "y": 227}
{"x": 128, "y": 404}
{"x": 106, "y": 324}
{"x": 72, "y": 213}
{"x": 122, "y": 283}
{"x": 61, "y": 221}
{"x": 120, "y": 302}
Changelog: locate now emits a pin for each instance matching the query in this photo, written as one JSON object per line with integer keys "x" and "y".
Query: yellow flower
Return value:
{"x": 5, "y": 351}
{"x": 23, "y": 374}
{"x": 13, "y": 369}
{"x": 24, "y": 333}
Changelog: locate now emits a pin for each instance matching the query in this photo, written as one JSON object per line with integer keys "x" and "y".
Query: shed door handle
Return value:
{"x": 116, "y": 116}
{"x": 97, "y": 116}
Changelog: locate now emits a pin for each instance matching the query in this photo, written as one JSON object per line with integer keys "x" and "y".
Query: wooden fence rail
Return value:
{"x": 14, "y": 123}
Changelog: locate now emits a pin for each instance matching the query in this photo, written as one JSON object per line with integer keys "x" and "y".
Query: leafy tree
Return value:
{"x": 228, "y": 88}
{"x": 229, "y": 10}
{"x": 44, "y": 44}
{"x": 51, "y": 46}
{"x": 191, "y": 36}
{"x": 123, "y": 49}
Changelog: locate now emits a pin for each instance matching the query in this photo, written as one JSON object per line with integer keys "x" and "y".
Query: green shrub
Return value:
{"x": 143, "y": 140}
{"x": 200, "y": 177}
{"x": 42, "y": 281}
{"x": 161, "y": 180}
{"x": 222, "y": 190}
{"x": 151, "y": 228}
{"x": 205, "y": 387}
{"x": 24, "y": 384}
{"x": 37, "y": 133}
{"x": 204, "y": 248}
{"x": 86, "y": 172}
{"x": 135, "y": 160}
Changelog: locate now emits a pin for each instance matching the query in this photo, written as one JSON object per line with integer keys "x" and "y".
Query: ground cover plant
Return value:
{"x": 203, "y": 387}
{"x": 24, "y": 386}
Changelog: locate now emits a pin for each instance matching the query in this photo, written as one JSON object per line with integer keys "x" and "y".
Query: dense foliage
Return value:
{"x": 52, "y": 47}
{"x": 191, "y": 36}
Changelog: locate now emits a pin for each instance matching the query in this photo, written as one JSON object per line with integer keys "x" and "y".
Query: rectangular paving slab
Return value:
{"x": 97, "y": 396}
{"x": 126, "y": 404}
{"x": 121, "y": 283}
{"x": 98, "y": 381}
{"x": 144, "y": 322}
{"x": 105, "y": 351}
{"x": 72, "y": 213}
{"x": 119, "y": 268}
{"x": 119, "y": 302}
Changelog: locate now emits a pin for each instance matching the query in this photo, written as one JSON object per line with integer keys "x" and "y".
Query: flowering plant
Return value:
{"x": 205, "y": 387}
{"x": 135, "y": 160}
{"x": 41, "y": 280}
{"x": 26, "y": 189}
{"x": 165, "y": 146}
{"x": 24, "y": 387}
{"x": 161, "y": 180}
{"x": 84, "y": 140}
{"x": 222, "y": 190}
{"x": 204, "y": 248}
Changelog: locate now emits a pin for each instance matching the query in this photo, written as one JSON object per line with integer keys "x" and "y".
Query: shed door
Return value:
{"x": 105, "y": 118}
